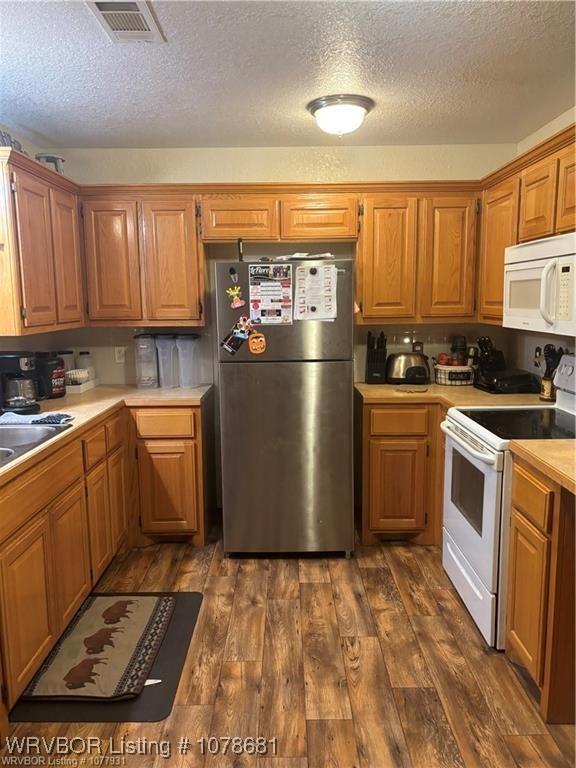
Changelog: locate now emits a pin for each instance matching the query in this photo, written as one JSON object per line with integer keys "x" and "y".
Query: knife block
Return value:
{"x": 375, "y": 371}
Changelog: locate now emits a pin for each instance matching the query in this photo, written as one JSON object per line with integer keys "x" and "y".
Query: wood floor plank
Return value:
{"x": 194, "y": 567}
{"x": 403, "y": 657}
{"x": 430, "y": 741}
{"x": 313, "y": 569}
{"x": 512, "y": 707}
{"x": 131, "y": 732}
{"x": 130, "y": 572}
{"x": 332, "y": 744}
{"x": 416, "y": 595}
{"x": 369, "y": 557}
{"x": 283, "y": 713}
{"x": 565, "y": 736}
{"x": 236, "y": 711}
{"x": 199, "y": 680}
{"x": 470, "y": 718}
{"x": 430, "y": 561}
{"x": 537, "y": 751}
{"x": 381, "y": 589}
{"x": 352, "y": 608}
{"x": 283, "y": 579}
{"x": 245, "y": 640}
{"x": 193, "y": 722}
{"x": 324, "y": 676}
{"x": 252, "y": 566}
{"x": 283, "y": 762}
{"x": 221, "y": 565}
{"x": 379, "y": 736}
{"x": 548, "y": 750}
{"x": 163, "y": 573}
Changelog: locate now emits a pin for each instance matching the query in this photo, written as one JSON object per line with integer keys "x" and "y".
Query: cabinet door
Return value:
{"x": 538, "y": 199}
{"x": 389, "y": 257}
{"x": 168, "y": 486}
{"x": 29, "y": 626}
{"x": 319, "y": 217}
{"x": 171, "y": 260}
{"x": 35, "y": 250}
{"x": 118, "y": 498}
{"x": 499, "y": 230}
{"x": 448, "y": 257}
{"x": 566, "y": 202}
{"x": 250, "y": 217}
{"x": 66, "y": 245}
{"x": 397, "y": 487}
{"x": 527, "y": 593}
{"x": 112, "y": 260}
{"x": 71, "y": 553}
{"x": 99, "y": 523}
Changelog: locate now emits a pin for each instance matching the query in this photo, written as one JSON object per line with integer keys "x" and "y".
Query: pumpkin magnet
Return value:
{"x": 235, "y": 295}
{"x": 257, "y": 343}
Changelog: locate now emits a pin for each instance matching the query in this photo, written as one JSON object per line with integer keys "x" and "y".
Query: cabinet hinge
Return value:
{"x": 13, "y": 186}
{"x": 425, "y": 518}
{"x": 87, "y": 308}
{"x": 360, "y": 214}
{"x": 200, "y": 308}
{"x": 4, "y": 692}
{"x": 427, "y": 450}
{"x": 198, "y": 211}
{"x": 81, "y": 210}
{"x": 23, "y": 313}
{"x": 477, "y": 205}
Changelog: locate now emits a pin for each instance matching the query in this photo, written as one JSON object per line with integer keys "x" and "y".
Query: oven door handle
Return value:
{"x": 544, "y": 311}
{"x": 463, "y": 444}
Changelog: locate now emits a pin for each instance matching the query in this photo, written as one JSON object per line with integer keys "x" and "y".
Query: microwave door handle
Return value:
{"x": 544, "y": 311}
{"x": 467, "y": 447}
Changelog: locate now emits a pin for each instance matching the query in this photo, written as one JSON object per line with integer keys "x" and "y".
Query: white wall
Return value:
{"x": 543, "y": 133}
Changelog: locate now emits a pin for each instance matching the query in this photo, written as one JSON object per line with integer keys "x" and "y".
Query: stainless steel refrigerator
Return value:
{"x": 285, "y": 390}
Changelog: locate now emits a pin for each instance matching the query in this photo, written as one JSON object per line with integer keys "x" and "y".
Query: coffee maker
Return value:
{"x": 18, "y": 383}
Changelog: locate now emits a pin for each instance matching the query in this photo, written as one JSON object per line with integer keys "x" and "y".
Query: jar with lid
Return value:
{"x": 84, "y": 360}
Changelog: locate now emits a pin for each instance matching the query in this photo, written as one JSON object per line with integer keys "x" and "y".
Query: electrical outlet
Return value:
{"x": 120, "y": 354}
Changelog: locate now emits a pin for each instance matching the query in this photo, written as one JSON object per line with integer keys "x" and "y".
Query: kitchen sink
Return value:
{"x": 16, "y": 440}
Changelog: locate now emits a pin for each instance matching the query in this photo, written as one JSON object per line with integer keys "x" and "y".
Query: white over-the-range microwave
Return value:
{"x": 539, "y": 291}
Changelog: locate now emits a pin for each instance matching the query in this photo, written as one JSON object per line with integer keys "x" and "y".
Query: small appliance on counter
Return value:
{"x": 494, "y": 377}
{"x": 18, "y": 383}
{"x": 375, "y": 359}
{"x": 51, "y": 375}
{"x": 408, "y": 367}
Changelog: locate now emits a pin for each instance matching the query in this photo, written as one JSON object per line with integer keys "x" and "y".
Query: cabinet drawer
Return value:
{"x": 532, "y": 497}
{"x": 165, "y": 422}
{"x": 115, "y": 431}
{"x": 94, "y": 445}
{"x": 35, "y": 489}
{"x": 399, "y": 421}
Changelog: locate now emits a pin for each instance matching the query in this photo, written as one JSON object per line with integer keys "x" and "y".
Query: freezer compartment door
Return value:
{"x": 298, "y": 340}
{"x": 287, "y": 457}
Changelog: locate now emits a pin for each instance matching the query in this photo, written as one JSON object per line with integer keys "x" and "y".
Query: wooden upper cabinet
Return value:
{"x": 499, "y": 230}
{"x": 538, "y": 199}
{"x": 319, "y": 217}
{"x": 170, "y": 257}
{"x": 566, "y": 202}
{"x": 389, "y": 257}
{"x": 251, "y": 217}
{"x": 67, "y": 262}
{"x": 112, "y": 260}
{"x": 448, "y": 253}
{"x": 35, "y": 250}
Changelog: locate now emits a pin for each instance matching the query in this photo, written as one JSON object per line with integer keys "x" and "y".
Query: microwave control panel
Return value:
{"x": 565, "y": 288}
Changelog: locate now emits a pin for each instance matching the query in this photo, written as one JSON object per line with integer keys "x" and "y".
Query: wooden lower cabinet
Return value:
{"x": 117, "y": 484}
{"x": 527, "y": 597}
{"x": 99, "y": 520}
{"x": 29, "y": 620}
{"x": 72, "y": 578}
{"x": 169, "y": 493}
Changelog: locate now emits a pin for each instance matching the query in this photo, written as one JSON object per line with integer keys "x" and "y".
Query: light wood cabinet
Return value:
{"x": 35, "y": 250}
{"x": 319, "y": 217}
{"x": 71, "y": 553}
{"x": 99, "y": 520}
{"x": 67, "y": 263}
{"x": 251, "y": 217}
{"x": 538, "y": 199}
{"x": 169, "y": 494}
{"x": 397, "y": 484}
{"x": 566, "y": 202}
{"x": 448, "y": 255}
{"x": 389, "y": 256}
{"x": 528, "y": 591}
{"x": 112, "y": 260}
{"x": 117, "y": 481}
{"x": 29, "y": 623}
{"x": 499, "y": 230}
{"x": 170, "y": 260}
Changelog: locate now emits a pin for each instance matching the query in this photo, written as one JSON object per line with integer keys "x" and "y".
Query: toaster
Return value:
{"x": 408, "y": 367}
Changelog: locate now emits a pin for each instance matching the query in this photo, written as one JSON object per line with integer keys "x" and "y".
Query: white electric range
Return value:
{"x": 477, "y": 487}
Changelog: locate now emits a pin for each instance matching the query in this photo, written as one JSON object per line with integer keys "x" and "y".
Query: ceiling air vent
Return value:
{"x": 127, "y": 22}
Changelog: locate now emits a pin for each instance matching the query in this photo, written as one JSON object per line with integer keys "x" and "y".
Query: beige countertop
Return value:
{"x": 95, "y": 404}
{"x": 435, "y": 393}
{"x": 554, "y": 458}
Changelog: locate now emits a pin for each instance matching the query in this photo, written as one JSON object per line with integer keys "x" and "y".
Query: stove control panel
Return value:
{"x": 565, "y": 287}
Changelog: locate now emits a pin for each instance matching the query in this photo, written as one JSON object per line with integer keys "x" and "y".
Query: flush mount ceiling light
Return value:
{"x": 341, "y": 113}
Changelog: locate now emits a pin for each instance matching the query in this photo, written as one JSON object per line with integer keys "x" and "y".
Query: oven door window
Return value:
{"x": 467, "y": 491}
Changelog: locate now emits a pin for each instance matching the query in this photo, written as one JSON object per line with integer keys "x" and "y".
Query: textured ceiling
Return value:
{"x": 241, "y": 73}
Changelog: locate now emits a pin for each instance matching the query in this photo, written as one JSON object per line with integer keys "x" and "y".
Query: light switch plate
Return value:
{"x": 120, "y": 354}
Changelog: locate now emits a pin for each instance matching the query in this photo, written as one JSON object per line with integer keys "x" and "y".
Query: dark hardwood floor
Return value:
{"x": 371, "y": 662}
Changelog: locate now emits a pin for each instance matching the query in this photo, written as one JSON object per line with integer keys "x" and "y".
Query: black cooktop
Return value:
{"x": 526, "y": 423}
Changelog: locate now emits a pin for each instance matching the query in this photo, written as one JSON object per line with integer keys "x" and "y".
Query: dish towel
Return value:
{"x": 37, "y": 418}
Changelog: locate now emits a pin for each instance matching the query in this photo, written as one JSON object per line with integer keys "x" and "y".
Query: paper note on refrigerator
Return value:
{"x": 316, "y": 292}
{"x": 270, "y": 294}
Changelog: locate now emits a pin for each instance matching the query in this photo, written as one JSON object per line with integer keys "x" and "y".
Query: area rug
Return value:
{"x": 137, "y": 686}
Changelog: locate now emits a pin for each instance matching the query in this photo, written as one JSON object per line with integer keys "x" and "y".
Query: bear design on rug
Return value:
{"x": 116, "y": 611}
{"x": 82, "y": 673}
{"x": 99, "y": 640}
